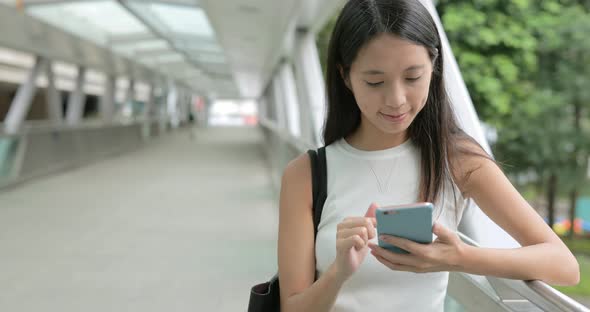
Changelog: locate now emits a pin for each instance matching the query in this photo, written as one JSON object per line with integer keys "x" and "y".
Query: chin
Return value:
{"x": 393, "y": 131}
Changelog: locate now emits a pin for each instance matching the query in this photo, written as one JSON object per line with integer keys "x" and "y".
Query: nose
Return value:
{"x": 396, "y": 96}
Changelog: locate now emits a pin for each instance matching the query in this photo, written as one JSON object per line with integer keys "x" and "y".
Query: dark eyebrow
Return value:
{"x": 373, "y": 72}
{"x": 378, "y": 72}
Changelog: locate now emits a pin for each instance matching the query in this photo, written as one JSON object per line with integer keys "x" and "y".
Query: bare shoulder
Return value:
{"x": 470, "y": 165}
{"x": 298, "y": 168}
{"x": 297, "y": 176}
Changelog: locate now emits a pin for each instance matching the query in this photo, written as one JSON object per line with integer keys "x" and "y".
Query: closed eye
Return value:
{"x": 374, "y": 84}
{"x": 413, "y": 79}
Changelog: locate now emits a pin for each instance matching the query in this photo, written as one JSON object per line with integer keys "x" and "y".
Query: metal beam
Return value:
{"x": 130, "y": 93}
{"x": 149, "y": 105}
{"x": 54, "y": 100}
{"x": 77, "y": 99}
{"x": 19, "y": 108}
{"x": 311, "y": 83}
{"x": 107, "y": 101}
{"x": 290, "y": 102}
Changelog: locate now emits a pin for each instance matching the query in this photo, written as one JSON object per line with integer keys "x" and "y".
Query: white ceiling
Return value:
{"x": 253, "y": 33}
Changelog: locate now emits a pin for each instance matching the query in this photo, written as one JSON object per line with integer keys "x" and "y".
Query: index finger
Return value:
{"x": 359, "y": 221}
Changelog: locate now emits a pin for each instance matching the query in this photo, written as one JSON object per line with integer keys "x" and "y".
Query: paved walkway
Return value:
{"x": 183, "y": 224}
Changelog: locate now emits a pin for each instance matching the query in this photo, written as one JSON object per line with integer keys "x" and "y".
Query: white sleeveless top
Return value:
{"x": 357, "y": 178}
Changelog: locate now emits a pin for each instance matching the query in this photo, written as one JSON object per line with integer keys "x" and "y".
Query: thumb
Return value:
{"x": 371, "y": 211}
{"x": 441, "y": 231}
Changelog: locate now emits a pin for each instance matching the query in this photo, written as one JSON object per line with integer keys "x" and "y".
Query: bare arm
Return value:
{"x": 543, "y": 255}
{"x": 296, "y": 246}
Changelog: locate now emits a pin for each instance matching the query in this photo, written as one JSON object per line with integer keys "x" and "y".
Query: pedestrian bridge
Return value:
{"x": 118, "y": 192}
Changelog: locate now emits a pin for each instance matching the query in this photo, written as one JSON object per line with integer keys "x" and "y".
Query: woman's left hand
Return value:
{"x": 444, "y": 254}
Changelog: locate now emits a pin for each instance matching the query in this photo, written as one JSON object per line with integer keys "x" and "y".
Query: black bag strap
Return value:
{"x": 266, "y": 296}
{"x": 319, "y": 182}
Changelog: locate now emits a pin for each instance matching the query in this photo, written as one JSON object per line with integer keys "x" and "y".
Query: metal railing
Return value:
{"x": 529, "y": 295}
{"x": 42, "y": 148}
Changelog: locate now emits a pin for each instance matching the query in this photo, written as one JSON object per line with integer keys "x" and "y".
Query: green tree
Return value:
{"x": 565, "y": 59}
{"x": 511, "y": 54}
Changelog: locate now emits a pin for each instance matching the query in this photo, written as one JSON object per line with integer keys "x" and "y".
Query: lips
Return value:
{"x": 394, "y": 116}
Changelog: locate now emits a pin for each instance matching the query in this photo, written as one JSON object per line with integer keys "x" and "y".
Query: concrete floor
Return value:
{"x": 186, "y": 223}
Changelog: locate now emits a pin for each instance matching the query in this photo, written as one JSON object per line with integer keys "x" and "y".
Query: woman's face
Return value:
{"x": 390, "y": 78}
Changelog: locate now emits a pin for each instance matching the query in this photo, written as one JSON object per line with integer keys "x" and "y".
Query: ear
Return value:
{"x": 345, "y": 78}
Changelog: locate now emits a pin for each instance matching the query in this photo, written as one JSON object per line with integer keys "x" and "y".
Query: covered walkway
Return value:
{"x": 119, "y": 192}
{"x": 173, "y": 231}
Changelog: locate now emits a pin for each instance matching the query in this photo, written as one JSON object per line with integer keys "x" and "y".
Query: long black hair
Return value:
{"x": 434, "y": 130}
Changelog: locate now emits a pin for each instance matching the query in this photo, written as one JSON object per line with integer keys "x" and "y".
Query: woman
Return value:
{"x": 391, "y": 139}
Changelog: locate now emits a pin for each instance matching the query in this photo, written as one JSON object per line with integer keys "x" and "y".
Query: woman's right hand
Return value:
{"x": 352, "y": 237}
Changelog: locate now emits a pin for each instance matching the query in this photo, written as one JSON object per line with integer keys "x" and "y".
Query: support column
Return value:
{"x": 279, "y": 107}
{"x": 77, "y": 99}
{"x": 130, "y": 95}
{"x": 172, "y": 105}
{"x": 107, "y": 101}
{"x": 149, "y": 105}
{"x": 182, "y": 106}
{"x": 207, "y": 110}
{"x": 188, "y": 99}
{"x": 162, "y": 108}
{"x": 19, "y": 108}
{"x": 312, "y": 84}
{"x": 290, "y": 99}
{"x": 263, "y": 107}
{"x": 54, "y": 100}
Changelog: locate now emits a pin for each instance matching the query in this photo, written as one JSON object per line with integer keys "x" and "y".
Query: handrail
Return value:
{"x": 298, "y": 143}
{"x": 534, "y": 289}
{"x": 76, "y": 145}
{"x": 48, "y": 126}
{"x": 555, "y": 296}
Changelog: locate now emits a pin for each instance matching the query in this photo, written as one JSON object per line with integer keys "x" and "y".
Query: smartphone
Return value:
{"x": 411, "y": 221}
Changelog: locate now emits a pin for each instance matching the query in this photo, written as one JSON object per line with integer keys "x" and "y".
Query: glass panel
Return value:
{"x": 209, "y": 58}
{"x": 136, "y": 48}
{"x": 195, "y": 45}
{"x": 183, "y": 20}
{"x": 187, "y": 27}
{"x": 7, "y": 155}
{"x": 452, "y": 305}
{"x": 172, "y": 58}
{"x": 164, "y": 58}
{"x": 112, "y": 25}
{"x": 87, "y": 19}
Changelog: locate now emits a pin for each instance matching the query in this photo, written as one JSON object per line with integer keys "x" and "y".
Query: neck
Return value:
{"x": 369, "y": 138}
